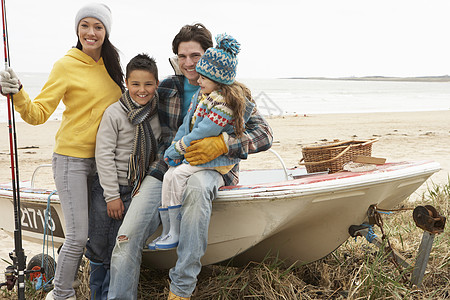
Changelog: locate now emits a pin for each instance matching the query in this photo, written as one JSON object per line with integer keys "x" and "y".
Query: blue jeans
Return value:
{"x": 102, "y": 237}
{"x": 201, "y": 190}
{"x": 142, "y": 220}
{"x": 72, "y": 177}
{"x": 98, "y": 281}
{"x": 103, "y": 229}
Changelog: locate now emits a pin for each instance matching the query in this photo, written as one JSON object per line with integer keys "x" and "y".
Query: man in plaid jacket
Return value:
{"x": 142, "y": 218}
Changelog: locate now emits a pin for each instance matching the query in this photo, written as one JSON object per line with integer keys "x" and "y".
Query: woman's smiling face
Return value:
{"x": 91, "y": 33}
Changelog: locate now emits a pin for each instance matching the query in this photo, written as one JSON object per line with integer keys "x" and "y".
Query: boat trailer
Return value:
{"x": 425, "y": 217}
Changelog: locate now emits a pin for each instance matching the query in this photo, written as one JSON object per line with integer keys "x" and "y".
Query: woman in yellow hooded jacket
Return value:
{"x": 87, "y": 79}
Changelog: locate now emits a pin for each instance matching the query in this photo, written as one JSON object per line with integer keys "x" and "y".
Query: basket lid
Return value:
{"x": 338, "y": 143}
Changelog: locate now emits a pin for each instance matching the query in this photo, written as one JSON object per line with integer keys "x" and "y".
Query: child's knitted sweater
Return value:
{"x": 208, "y": 115}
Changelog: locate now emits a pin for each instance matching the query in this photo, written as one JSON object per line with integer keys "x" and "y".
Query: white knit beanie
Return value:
{"x": 95, "y": 10}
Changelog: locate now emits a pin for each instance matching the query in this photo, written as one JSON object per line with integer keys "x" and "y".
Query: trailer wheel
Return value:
{"x": 48, "y": 271}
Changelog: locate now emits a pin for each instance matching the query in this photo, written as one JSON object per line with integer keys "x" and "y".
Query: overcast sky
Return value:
{"x": 279, "y": 38}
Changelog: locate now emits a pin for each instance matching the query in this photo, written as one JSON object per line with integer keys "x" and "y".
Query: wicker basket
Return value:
{"x": 332, "y": 156}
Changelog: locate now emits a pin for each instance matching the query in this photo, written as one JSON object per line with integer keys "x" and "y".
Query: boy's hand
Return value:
{"x": 205, "y": 150}
{"x": 115, "y": 209}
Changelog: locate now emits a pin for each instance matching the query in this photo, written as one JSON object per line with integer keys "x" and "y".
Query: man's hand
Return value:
{"x": 115, "y": 209}
{"x": 205, "y": 150}
{"x": 10, "y": 83}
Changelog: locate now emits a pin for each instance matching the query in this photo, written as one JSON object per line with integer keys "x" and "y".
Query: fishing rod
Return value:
{"x": 18, "y": 255}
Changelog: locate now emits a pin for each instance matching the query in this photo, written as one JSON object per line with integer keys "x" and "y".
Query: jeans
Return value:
{"x": 102, "y": 235}
{"x": 201, "y": 190}
{"x": 98, "y": 281}
{"x": 142, "y": 220}
{"x": 103, "y": 230}
{"x": 72, "y": 177}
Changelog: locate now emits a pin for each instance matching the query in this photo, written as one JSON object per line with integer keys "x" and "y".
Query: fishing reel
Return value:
{"x": 10, "y": 277}
{"x": 10, "y": 273}
{"x": 40, "y": 272}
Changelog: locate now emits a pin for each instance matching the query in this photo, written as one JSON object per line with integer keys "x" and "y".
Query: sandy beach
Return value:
{"x": 402, "y": 136}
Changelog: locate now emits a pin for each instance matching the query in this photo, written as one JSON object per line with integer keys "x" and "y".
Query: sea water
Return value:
{"x": 307, "y": 96}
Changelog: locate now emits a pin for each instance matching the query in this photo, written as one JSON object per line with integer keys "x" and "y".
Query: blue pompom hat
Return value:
{"x": 219, "y": 63}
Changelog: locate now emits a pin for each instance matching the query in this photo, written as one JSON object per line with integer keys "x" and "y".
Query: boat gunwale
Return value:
{"x": 285, "y": 189}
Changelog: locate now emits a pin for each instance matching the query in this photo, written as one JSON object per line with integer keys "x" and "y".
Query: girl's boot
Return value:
{"x": 164, "y": 215}
{"x": 170, "y": 241}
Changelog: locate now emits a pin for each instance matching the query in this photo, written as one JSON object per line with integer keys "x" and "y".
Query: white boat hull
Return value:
{"x": 299, "y": 220}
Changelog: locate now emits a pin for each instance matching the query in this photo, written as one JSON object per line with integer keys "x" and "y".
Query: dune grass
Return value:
{"x": 356, "y": 270}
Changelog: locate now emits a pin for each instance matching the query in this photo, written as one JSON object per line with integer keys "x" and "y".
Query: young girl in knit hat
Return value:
{"x": 222, "y": 105}
{"x": 87, "y": 79}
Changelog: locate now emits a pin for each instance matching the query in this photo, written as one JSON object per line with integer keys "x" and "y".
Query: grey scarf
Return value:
{"x": 144, "y": 145}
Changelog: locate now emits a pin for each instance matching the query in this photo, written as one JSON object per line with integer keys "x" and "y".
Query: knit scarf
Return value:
{"x": 144, "y": 144}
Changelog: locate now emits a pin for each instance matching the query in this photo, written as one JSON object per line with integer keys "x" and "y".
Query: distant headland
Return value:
{"x": 445, "y": 78}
